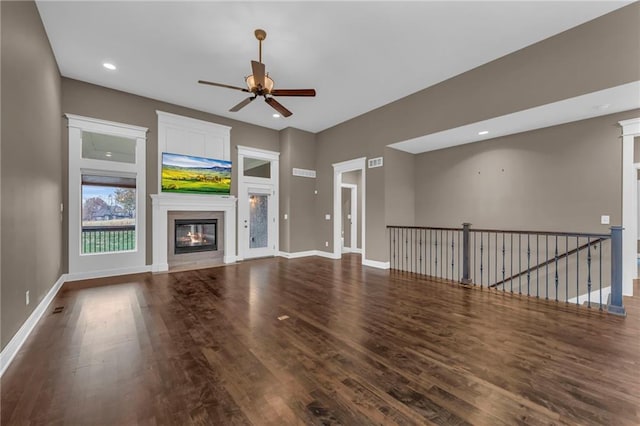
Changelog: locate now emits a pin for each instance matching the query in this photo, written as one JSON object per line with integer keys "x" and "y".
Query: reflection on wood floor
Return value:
{"x": 359, "y": 346}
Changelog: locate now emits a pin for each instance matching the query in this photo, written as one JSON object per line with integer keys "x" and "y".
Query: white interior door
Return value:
{"x": 258, "y": 224}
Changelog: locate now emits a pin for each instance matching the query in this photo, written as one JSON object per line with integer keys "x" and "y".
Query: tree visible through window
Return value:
{"x": 108, "y": 214}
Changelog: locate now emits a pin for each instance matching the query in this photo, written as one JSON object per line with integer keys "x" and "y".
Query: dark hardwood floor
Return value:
{"x": 360, "y": 346}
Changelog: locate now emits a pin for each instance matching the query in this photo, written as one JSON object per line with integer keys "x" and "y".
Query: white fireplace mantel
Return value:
{"x": 164, "y": 203}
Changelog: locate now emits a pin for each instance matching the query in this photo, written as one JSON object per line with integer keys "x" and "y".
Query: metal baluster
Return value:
{"x": 459, "y": 262}
{"x": 452, "y": 254}
{"x": 488, "y": 259}
{"x": 474, "y": 258}
{"x": 430, "y": 252}
{"x": 503, "y": 276}
{"x": 420, "y": 250}
{"x": 511, "y": 265}
{"x": 566, "y": 284}
{"x": 589, "y": 272}
{"x": 577, "y": 271}
{"x": 519, "y": 263}
{"x": 537, "y": 266}
{"x": 546, "y": 256}
{"x": 392, "y": 254}
{"x": 436, "y": 250}
{"x": 481, "y": 257}
{"x": 601, "y": 274}
{"x": 441, "y": 256}
{"x": 556, "y": 261}
{"x": 406, "y": 250}
{"x": 528, "y": 264}
{"x": 495, "y": 255}
{"x": 446, "y": 250}
{"x": 395, "y": 247}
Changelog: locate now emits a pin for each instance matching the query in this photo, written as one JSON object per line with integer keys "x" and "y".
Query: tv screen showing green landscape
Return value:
{"x": 195, "y": 175}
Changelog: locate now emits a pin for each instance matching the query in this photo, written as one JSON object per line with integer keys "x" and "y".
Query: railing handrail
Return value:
{"x": 508, "y": 231}
{"x": 550, "y": 261}
{"x": 108, "y": 228}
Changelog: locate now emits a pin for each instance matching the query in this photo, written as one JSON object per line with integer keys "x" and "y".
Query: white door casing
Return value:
{"x": 338, "y": 169}
{"x": 257, "y": 185}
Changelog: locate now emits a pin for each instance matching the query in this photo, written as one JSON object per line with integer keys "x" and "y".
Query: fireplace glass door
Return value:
{"x": 195, "y": 235}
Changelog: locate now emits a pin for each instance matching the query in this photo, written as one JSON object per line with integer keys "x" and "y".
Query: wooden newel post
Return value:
{"x": 465, "y": 254}
{"x": 615, "y": 305}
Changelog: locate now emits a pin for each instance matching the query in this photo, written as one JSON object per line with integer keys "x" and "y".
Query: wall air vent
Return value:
{"x": 304, "y": 173}
{"x": 375, "y": 162}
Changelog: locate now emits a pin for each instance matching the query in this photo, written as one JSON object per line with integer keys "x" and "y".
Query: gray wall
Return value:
{"x": 297, "y": 197}
{"x": 561, "y": 178}
{"x": 596, "y": 55}
{"x": 31, "y": 174}
{"x": 99, "y": 102}
{"x": 399, "y": 169}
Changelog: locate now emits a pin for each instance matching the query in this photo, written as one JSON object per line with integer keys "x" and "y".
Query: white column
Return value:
{"x": 630, "y": 129}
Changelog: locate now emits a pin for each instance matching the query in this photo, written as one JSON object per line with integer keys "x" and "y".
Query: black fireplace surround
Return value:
{"x": 195, "y": 235}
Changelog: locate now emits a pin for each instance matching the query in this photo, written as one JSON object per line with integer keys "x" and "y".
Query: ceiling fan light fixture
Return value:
{"x": 251, "y": 84}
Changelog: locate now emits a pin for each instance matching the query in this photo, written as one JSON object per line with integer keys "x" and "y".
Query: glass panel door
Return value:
{"x": 257, "y": 215}
{"x": 258, "y": 221}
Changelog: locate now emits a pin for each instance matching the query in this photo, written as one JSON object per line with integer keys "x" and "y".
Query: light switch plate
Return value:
{"x": 604, "y": 219}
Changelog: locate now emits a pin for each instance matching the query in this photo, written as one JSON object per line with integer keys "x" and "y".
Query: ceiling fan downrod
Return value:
{"x": 260, "y": 35}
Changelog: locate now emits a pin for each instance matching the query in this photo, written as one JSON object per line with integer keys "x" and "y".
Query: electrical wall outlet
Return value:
{"x": 604, "y": 219}
{"x": 286, "y": 216}
{"x": 26, "y": 298}
{"x": 326, "y": 243}
{"x": 327, "y": 217}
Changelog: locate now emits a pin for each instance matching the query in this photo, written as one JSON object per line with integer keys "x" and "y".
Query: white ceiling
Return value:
{"x": 357, "y": 55}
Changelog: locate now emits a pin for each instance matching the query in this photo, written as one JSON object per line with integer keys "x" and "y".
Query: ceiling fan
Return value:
{"x": 260, "y": 84}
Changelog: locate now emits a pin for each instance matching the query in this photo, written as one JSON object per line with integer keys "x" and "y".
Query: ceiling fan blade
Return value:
{"x": 293, "y": 92}
{"x": 242, "y": 104}
{"x": 211, "y": 83}
{"x": 278, "y": 107}
{"x": 258, "y": 72}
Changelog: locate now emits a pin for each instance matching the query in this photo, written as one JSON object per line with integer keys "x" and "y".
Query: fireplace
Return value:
{"x": 195, "y": 235}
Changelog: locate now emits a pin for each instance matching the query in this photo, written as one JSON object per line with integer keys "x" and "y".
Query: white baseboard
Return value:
{"x": 297, "y": 254}
{"x": 230, "y": 259}
{"x": 328, "y": 255}
{"x": 356, "y": 250}
{"x": 76, "y": 276}
{"x": 376, "y": 264}
{"x": 11, "y": 350}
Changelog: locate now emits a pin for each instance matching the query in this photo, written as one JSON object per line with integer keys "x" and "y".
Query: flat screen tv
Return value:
{"x": 195, "y": 175}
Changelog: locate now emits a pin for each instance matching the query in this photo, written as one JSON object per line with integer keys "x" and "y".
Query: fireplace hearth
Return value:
{"x": 195, "y": 235}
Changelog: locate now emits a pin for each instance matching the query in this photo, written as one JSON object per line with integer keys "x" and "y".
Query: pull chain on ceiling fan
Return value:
{"x": 260, "y": 84}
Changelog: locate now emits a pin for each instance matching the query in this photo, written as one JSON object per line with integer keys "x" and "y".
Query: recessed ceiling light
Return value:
{"x": 276, "y": 115}
{"x": 603, "y": 107}
{"x": 108, "y": 154}
{"x": 109, "y": 66}
{"x": 484, "y": 132}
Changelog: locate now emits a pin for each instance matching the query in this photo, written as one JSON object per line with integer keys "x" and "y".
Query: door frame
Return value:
{"x": 247, "y": 182}
{"x": 339, "y": 168}
{"x": 353, "y": 226}
{"x": 630, "y": 130}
